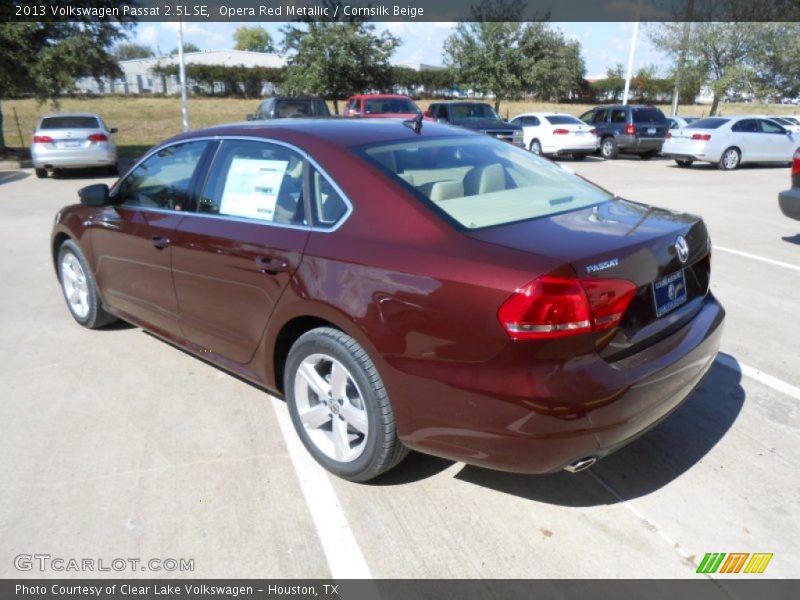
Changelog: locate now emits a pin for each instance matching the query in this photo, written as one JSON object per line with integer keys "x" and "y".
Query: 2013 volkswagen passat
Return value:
{"x": 440, "y": 291}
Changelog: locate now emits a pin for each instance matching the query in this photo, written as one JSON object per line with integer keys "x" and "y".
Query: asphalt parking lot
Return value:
{"x": 115, "y": 444}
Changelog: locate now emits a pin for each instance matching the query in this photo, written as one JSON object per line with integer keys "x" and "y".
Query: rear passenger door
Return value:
{"x": 233, "y": 258}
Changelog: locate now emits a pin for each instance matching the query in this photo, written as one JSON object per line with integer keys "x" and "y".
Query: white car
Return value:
{"x": 557, "y": 134}
{"x": 731, "y": 141}
{"x": 790, "y": 123}
{"x": 73, "y": 141}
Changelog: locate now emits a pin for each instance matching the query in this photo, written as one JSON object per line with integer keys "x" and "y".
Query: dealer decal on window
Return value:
{"x": 252, "y": 186}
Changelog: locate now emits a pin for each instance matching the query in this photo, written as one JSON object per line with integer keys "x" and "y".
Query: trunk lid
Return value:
{"x": 622, "y": 240}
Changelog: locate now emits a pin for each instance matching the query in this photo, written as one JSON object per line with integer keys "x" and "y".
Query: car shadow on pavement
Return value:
{"x": 646, "y": 465}
{"x": 9, "y": 176}
{"x": 792, "y": 239}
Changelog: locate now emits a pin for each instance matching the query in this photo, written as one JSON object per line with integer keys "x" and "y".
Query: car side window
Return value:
{"x": 770, "y": 127}
{"x": 619, "y": 115}
{"x": 263, "y": 109}
{"x": 746, "y": 126}
{"x": 327, "y": 203}
{"x": 441, "y": 112}
{"x": 587, "y": 117}
{"x": 255, "y": 180}
{"x": 600, "y": 116}
{"x": 164, "y": 180}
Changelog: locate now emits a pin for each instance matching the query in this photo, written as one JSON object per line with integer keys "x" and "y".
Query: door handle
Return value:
{"x": 160, "y": 242}
{"x": 272, "y": 266}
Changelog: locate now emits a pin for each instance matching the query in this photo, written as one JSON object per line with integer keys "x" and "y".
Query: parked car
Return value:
{"x": 679, "y": 122}
{"x": 554, "y": 134}
{"x": 437, "y": 290}
{"x": 789, "y": 201}
{"x": 477, "y": 116}
{"x": 73, "y": 141}
{"x": 381, "y": 106}
{"x": 281, "y": 107}
{"x": 731, "y": 141}
{"x": 632, "y": 129}
{"x": 790, "y": 123}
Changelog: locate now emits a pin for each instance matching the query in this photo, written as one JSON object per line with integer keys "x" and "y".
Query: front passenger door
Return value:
{"x": 131, "y": 241}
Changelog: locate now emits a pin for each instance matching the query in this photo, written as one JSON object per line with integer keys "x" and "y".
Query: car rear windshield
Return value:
{"x": 648, "y": 115}
{"x": 479, "y": 182}
{"x": 69, "y": 123}
{"x": 390, "y": 106}
{"x": 293, "y": 108}
{"x": 563, "y": 120}
{"x": 473, "y": 111}
{"x": 710, "y": 123}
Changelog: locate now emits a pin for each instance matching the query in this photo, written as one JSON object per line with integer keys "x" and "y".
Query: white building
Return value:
{"x": 138, "y": 76}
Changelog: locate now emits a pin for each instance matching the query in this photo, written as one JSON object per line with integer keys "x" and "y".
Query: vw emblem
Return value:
{"x": 682, "y": 248}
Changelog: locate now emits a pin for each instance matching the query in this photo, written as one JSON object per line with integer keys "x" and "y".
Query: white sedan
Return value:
{"x": 556, "y": 134}
{"x": 731, "y": 141}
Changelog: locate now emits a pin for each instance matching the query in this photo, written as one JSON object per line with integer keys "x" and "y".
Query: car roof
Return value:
{"x": 380, "y": 96}
{"x": 70, "y": 114}
{"x": 332, "y": 132}
{"x": 461, "y": 102}
{"x": 545, "y": 114}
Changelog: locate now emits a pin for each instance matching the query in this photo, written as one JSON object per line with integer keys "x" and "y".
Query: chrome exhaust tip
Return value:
{"x": 581, "y": 464}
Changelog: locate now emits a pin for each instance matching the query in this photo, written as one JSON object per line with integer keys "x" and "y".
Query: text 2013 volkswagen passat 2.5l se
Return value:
{"x": 404, "y": 286}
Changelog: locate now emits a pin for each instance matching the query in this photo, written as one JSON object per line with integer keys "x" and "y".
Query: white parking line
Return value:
{"x": 763, "y": 378}
{"x": 771, "y": 261}
{"x": 345, "y": 559}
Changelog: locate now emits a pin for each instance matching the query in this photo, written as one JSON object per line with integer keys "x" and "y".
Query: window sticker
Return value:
{"x": 252, "y": 186}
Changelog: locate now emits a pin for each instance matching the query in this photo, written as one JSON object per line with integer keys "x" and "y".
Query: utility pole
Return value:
{"x": 630, "y": 63}
{"x": 182, "y": 71}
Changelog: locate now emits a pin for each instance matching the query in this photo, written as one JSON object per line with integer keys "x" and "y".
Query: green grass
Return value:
{"x": 145, "y": 121}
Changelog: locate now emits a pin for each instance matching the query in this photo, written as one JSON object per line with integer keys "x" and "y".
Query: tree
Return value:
{"x": 187, "y": 47}
{"x": 724, "y": 52}
{"x": 254, "y": 39}
{"x": 129, "y": 51}
{"x": 43, "y": 60}
{"x": 335, "y": 60}
{"x": 498, "y": 54}
{"x": 776, "y": 61}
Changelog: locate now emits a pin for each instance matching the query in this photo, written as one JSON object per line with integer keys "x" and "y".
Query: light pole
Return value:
{"x": 182, "y": 72}
{"x": 630, "y": 63}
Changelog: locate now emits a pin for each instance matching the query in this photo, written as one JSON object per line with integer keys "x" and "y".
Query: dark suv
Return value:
{"x": 633, "y": 129}
{"x": 280, "y": 107}
{"x": 477, "y": 116}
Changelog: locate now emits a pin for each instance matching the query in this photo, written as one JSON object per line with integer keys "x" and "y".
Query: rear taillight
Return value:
{"x": 630, "y": 129}
{"x": 98, "y": 137}
{"x": 669, "y": 134}
{"x": 796, "y": 163}
{"x": 551, "y": 306}
{"x": 42, "y": 139}
{"x": 701, "y": 137}
{"x": 593, "y": 131}
{"x": 560, "y": 131}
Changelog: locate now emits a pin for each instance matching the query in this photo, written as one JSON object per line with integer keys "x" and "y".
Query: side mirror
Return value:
{"x": 251, "y": 117}
{"x": 113, "y": 130}
{"x": 94, "y": 195}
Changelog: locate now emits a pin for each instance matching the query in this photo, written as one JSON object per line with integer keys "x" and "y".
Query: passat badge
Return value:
{"x": 681, "y": 248}
{"x": 602, "y": 266}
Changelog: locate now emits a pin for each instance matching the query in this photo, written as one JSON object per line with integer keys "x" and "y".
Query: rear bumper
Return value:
{"x": 539, "y": 416}
{"x": 572, "y": 148}
{"x": 634, "y": 144}
{"x": 78, "y": 158}
{"x": 789, "y": 202}
{"x": 698, "y": 152}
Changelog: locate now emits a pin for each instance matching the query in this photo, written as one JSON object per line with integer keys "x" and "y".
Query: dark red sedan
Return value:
{"x": 440, "y": 291}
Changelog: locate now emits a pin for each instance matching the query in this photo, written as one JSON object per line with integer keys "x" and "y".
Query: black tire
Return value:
{"x": 579, "y": 156}
{"x": 608, "y": 148}
{"x": 536, "y": 147}
{"x": 381, "y": 450}
{"x": 95, "y": 316}
{"x": 683, "y": 162}
{"x": 731, "y": 159}
{"x": 41, "y": 173}
{"x": 647, "y": 155}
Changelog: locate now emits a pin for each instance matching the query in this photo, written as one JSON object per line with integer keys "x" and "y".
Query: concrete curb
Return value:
{"x": 13, "y": 165}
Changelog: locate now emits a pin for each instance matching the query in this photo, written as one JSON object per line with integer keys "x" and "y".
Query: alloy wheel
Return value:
{"x": 331, "y": 407}
{"x": 76, "y": 288}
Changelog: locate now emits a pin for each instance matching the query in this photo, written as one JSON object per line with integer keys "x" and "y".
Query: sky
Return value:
{"x": 603, "y": 44}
